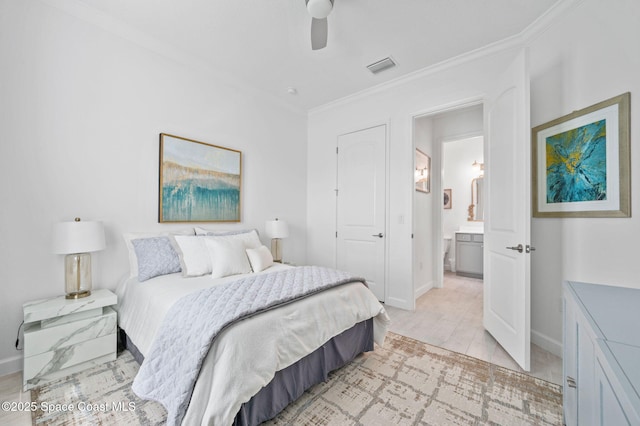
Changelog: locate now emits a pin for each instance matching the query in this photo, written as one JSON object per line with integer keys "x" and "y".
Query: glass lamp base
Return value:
{"x": 276, "y": 250}
{"x": 78, "y": 295}
{"x": 77, "y": 275}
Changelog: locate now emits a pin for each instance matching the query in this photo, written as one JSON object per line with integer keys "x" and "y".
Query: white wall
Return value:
{"x": 459, "y": 155}
{"x": 395, "y": 104}
{"x": 587, "y": 55}
{"x": 80, "y": 113}
{"x": 423, "y": 218}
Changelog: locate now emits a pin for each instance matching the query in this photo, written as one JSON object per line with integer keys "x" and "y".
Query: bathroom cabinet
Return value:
{"x": 600, "y": 355}
{"x": 469, "y": 257}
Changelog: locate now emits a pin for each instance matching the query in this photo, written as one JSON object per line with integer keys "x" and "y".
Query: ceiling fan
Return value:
{"x": 319, "y": 10}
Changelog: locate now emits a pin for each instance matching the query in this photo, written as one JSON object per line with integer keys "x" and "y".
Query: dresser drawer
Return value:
{"x": 63, "y": 336}
{"x": 41, "y": 366}
{"x": 39, "y": 340}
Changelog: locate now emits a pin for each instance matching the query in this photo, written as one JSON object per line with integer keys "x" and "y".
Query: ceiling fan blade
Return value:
{"x": 319, "y": 31}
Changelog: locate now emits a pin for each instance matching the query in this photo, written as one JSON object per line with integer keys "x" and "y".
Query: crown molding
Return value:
{"x": 520, "y": 40}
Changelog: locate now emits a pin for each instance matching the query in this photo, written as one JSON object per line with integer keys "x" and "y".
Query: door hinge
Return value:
{"x": 336, "y": 234}
{"x": 337, "y": 149}
{"x": 336, "y": 191}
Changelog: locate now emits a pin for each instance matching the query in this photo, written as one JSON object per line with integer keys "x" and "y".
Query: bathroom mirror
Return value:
{"x": 476, "y": 208}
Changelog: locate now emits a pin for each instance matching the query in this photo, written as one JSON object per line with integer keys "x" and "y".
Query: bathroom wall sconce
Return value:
{"x": 421, "y": 174}
{"x": 479, "y": 167}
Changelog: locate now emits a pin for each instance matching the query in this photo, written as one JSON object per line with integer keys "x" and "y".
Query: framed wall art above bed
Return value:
{"x": 199, "y": 182}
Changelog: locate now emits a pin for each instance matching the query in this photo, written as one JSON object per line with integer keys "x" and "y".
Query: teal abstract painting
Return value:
{"x": 577, "y": 164}
{"x": 199, "y": 182}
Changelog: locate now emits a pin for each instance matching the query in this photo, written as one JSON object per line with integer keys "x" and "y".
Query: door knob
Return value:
{"x": 517, "y": 248}
{"x": 529, "y": 248}
{"x": 380, "y": 235}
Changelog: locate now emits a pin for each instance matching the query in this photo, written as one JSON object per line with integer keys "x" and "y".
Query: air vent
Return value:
{"x": 381, "y": 65}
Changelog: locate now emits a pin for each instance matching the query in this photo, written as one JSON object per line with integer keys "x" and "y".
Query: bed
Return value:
{"x": 261, "y": 362}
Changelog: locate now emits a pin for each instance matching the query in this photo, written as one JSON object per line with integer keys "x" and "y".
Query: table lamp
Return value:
{"x": 77, "y": 239}
{"x": 276, "y": 229}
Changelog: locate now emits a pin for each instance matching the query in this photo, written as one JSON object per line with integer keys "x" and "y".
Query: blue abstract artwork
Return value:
{"x": 577, "y": 164}
{"x": 198, "y": 182}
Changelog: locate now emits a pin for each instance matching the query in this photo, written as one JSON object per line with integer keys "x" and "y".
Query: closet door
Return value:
{"x": 361, "y": 204}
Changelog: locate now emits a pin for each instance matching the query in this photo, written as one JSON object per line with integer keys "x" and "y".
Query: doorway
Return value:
{"x": 463, "y": 206}
{"x": 507, "y": 205}
{"x": 459, "y": 132}
{"x": 453, "y": 310}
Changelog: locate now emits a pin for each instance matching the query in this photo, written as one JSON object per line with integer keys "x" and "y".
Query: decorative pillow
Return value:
{"x": 203, "y": 231}
{"x": 228, "y": 257}
{"x": 156, "y": 256}
{"x": 130, "y": 236}
{"x": 260, "y": 258}
{"x": 194, "y": 255}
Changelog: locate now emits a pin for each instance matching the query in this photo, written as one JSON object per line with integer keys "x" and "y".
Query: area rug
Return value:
{"x": 406, "y": 382}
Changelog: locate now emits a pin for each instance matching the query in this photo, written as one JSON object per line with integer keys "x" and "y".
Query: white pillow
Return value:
{"x": 194, "y": 255}
{"x": 203, "y": 231}
{"x": 228, "y": 257}
{"x": 133, "y": 258}
{"x": 250, "y": 239}
{"x": 260, "y": 258}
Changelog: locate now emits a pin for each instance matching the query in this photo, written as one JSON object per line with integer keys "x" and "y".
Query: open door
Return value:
{"x": 507, "y": 228}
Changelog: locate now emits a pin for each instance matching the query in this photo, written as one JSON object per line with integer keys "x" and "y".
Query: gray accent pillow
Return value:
{"x": 156, "y": 256}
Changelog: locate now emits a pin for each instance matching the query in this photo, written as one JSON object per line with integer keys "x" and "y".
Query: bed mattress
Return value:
{"x": 245, "y": 357}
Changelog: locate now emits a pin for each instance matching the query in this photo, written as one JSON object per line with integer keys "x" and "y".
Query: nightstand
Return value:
{"x": 63, "y": 336}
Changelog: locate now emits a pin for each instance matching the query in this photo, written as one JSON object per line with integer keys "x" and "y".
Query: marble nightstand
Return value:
{"x": 62, "y": 336}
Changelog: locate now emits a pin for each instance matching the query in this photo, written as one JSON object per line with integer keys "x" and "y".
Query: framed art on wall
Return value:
{"x": 581, "y": 163}
{"x": 423, "y": 172}
{"x": 199, "y": 182}
{"x": 447, "y": 198}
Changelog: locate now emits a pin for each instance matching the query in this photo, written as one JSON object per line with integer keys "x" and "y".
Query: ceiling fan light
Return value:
{"x": 319, "y": 9}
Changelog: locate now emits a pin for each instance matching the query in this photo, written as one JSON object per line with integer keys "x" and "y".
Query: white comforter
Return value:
{"x": 245, "y": 357}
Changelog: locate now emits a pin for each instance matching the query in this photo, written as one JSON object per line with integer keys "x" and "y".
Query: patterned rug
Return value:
{"x": 405, "y": 383}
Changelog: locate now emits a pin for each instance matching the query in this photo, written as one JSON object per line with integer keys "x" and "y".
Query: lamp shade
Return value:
{"x": 78, "y": 237}
{"x": 277, "y": 229}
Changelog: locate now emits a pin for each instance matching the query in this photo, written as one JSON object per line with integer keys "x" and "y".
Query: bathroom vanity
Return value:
{"x": 469, "y": 258}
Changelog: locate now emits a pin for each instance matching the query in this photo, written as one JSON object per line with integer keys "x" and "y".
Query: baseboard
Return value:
{"x": 398, "y": 303}
{"x": 10, "y": 365}
{"x": 546, "y": 343}
{"x": 423, "y": 289}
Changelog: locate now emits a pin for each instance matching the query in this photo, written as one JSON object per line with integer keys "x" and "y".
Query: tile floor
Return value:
{"x": 451, "y": 317}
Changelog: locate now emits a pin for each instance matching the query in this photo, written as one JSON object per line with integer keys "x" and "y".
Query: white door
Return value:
{"x": 361, "y": 206}
{"x": 508, "y": 212}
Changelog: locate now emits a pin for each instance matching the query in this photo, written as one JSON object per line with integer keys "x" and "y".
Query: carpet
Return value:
{"x": 404, "y": 383}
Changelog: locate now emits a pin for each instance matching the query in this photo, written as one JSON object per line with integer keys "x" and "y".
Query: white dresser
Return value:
{"x": 63, "y": 336}
{"x": 601, "y": 355}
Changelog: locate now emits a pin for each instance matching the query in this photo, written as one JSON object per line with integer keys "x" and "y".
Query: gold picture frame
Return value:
{"x": 199, "y": 182}
{"x": 581, "y": 163}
